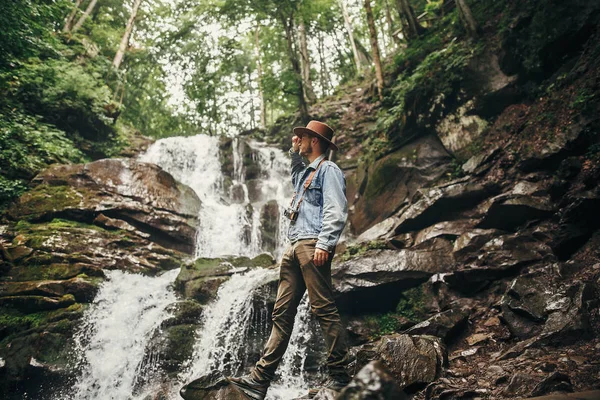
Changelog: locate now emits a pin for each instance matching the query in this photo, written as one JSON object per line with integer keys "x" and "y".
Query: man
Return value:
{"x": 318, "y": 213}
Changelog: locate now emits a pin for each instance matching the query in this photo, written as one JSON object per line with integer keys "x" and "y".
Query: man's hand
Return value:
{"x": 296, "y": 143}
{"x": 321, "y": 257}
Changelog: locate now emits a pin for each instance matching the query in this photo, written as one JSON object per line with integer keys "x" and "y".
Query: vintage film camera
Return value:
{"x": 291, "y": 214}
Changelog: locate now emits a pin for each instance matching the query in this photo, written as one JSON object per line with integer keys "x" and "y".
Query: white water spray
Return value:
{"x": 116, "y": 329}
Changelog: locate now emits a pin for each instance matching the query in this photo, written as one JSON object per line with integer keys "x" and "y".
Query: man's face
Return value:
{"x": 306, "y": 145}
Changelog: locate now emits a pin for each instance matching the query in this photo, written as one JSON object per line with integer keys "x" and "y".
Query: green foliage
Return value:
{"x": 65, "y": 94}
{"x": 26, "y": 146}
{"x": 583, "y": 100}
{"x": 411, "y": 305}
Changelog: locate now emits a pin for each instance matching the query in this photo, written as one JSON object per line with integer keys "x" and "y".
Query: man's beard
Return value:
{"x": 307, "y": 150}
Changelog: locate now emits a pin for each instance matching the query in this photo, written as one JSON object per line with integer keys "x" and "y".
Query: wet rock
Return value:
{"x": 441, "y": 203}
{"x": 508, "y": 211}
{"x": 447, "y": 229}
{"x": 378, "y": 231}
{"x": 140, "y": 194}
{"x": 524, "y": 304}
{"x": 459, "y": 129}
{"x": 201, "y": 278}
{"x": 471, "y": 241}
{"x": 213, "y": 386}
{"x": 555, "y": 382}
{"x": 568, "y": 315}
{"x": 578, "y": 220}
{"x": 475, "y": 164}
{"x": 63, "y": 249}
{"x": 269, "y": 224}
{"x": 32, "y": 304}
{"x": 520, "y": 385}
{"x": 393, "y": 180}
{"x": 500, "y": 257}
{"x": 375, "y": 279}
{"x": 81, "y": 289}
{"x": 413, "y": 361}
{"x": 373, "y": 381}
{"x": 443, "y": 325}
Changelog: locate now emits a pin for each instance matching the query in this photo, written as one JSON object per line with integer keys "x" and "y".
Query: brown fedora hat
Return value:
{"x": 319, "y": 129}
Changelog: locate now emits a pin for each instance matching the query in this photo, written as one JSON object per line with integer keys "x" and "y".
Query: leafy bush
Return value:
{"x": 28, "y": 145}
{"x": 66, "y": 95}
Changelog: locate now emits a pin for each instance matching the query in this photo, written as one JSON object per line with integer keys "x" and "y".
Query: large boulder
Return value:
{"x": 443, "y": 203}
{"x": 444, "y": 325}
{"x": 200, "y": 279}
{"x": 375, "y": 279}
{"x": 141, "y": 194}
{"x": 63, "y": 249}
{"x": 500, "y": 257}
{"x": 373, "y": 381}
{"x": 377, "y": 190}
{"x": 524, "y": 304}
{"x": 509, "y": 211}
{"x": 413, "y": 361}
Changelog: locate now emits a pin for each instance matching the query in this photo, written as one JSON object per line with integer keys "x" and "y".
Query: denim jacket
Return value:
{"x": 324, "y": 209}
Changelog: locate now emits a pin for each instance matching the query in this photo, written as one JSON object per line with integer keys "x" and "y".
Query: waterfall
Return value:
{"x": 229, "y": 223}
{"x": 116, "y": 328}
{"x": 129, "y": 308}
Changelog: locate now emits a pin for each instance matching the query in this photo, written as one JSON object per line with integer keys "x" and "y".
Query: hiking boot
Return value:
{"x": 336, "y": 383}
{"x": 256, "y": 390}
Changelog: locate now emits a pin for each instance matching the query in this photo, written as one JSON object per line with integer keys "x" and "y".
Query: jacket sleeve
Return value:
{"x": 297, "y": 166}
{"x": 335, "y": 208}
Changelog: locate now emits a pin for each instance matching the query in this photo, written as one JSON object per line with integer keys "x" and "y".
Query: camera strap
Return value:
{"x": 306, "y": 185}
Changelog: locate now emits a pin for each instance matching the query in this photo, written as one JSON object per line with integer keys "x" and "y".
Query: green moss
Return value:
{"x": 358, "y": 250}
{"x": 45, "y": 199}
{"x": 411, "y": 305}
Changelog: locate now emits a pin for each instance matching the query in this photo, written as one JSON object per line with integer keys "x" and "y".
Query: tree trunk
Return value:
{"x": 390, "y": 24}
{"x": 288, "y": 25}
{"x": 348, "y": 26}
{"x": 414, "y": 29}
{"x": 375, "y": 48}
{"x": 71, "y": 17}
{"x": 466, "y": 16}
{"x": 125, "y": 39}
{"x": 261, "y": 94}
{"x": 309, "y": 92}
{"x": 325, "y": 79}
{"x": 86, "y": 14}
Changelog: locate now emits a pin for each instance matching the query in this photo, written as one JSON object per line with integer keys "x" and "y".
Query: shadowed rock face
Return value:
{"x": 442, "y": 203}
{"x": 376, "y": 279}
{"x": 139, "y": 194}
{"x": 380, "y": 188}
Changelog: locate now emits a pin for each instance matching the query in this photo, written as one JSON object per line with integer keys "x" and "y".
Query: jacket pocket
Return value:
{"x": 314, "y": 194}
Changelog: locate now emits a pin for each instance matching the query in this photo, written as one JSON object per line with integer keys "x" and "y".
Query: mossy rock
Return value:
{"x": 40, "y": 271}
{"x": 202, "y": 290}
{"x": 180, "y": 340}
{"x": 184, "y": 312}
{"x": 44, "y": 199}
{"x": 31, "y": 304}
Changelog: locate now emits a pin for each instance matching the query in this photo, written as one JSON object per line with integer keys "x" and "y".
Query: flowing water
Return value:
{"x": 129, "y": 308}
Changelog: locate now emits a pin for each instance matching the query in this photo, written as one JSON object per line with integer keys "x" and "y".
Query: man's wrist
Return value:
{"x": 323, "y": 247}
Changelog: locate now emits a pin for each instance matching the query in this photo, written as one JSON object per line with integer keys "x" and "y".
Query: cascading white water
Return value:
{"x": 117, "y": 326}
{"x": 227, "y": 226}
{"x": 111, "y": 353}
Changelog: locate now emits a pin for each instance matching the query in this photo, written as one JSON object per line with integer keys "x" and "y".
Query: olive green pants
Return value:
{"x": 297, "y": 274}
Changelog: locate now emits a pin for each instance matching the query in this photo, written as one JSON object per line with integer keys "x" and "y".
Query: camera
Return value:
{"x": 291, "y": 214}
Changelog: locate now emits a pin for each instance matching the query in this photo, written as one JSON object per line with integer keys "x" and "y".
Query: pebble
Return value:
{"x": 495, "y": 369}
